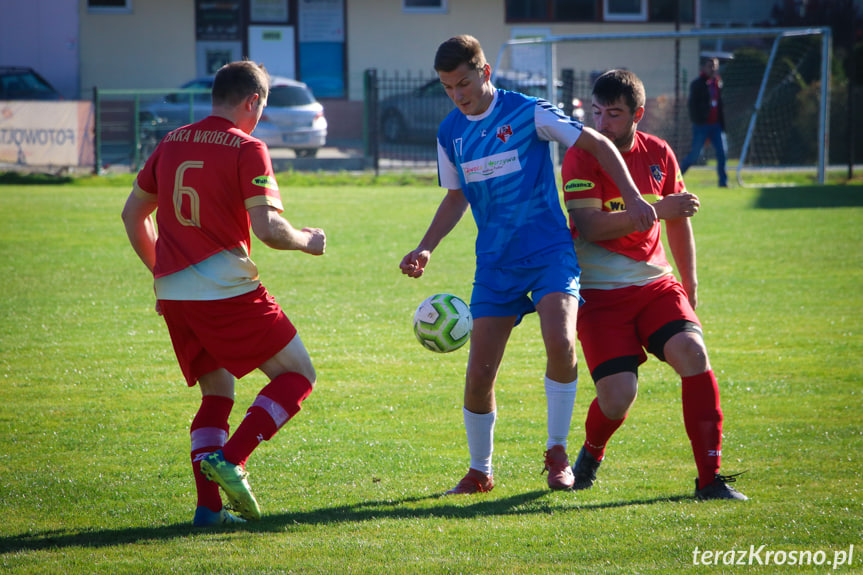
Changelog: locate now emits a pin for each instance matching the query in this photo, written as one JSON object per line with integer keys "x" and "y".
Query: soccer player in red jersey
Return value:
{"x": 633, "y": 302}
{"x": 208, "y": 183}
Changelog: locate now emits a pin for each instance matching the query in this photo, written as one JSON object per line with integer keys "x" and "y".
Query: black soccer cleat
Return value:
{"x": 584, "y": 470}
{"x": 719, "y": 488}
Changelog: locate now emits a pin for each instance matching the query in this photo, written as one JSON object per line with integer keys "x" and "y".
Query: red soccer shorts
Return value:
{"x": 238, "y": 333}
{"x": 618, "y": 323}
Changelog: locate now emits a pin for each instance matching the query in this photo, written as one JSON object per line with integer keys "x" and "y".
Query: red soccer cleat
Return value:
{"x": 474, "y": 482}
{"x": 557, "y": 464}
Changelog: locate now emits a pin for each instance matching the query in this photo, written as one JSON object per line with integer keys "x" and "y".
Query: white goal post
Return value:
{"x": 775, "y": 76}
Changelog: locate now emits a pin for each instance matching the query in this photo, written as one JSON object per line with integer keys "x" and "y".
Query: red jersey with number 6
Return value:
{"x": 204, "y": 177}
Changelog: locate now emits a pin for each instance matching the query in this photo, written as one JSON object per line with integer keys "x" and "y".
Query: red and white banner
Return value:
{"x": 46, "y": 133}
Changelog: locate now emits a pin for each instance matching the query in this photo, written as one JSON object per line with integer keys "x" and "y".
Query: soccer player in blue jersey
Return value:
{"x": 494, "y": 157}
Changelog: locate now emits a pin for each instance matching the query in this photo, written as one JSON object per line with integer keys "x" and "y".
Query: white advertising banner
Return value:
{"x": 46, "y": 133}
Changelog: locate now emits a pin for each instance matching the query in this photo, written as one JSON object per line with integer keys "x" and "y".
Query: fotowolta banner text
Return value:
{"x": 46, "y": 133}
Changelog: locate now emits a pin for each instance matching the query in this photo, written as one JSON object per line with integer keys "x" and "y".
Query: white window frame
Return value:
{"x": 609, "y": 16}
{"x": 127, "y": 9}
{"x": 440, "y": 9}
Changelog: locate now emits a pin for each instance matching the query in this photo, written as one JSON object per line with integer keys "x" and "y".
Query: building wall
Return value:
{"x": 403, "y": 42}
{"x": 153, "y": 47}
{"x": 44, "y": 36}
{"x": 382, "y": 36}
{"x": 739, "y": 12}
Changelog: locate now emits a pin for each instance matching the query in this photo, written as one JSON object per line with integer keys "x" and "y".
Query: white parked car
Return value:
{"x": 292, "y": 119}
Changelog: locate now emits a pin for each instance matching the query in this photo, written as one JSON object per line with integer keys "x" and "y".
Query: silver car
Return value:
{"x": 415, "y": 115}
{"x": 292, "y": 119}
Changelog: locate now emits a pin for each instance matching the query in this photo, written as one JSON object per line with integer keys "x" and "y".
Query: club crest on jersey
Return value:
{"x": 656, "y": 173}
{"x": 504, "y": 132}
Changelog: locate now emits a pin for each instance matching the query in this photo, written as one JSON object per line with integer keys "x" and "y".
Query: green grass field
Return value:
{"x": 94, "y": 414}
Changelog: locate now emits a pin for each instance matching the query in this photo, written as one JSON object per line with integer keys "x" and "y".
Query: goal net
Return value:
{"x": 776, "y": 87}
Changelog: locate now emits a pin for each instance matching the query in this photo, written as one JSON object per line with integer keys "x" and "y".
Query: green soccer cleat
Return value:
{"x": 206, "y": 518}
{"x": 233, "y": 481}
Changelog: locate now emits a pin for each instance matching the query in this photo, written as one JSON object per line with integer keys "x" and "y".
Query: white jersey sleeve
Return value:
{"x": 446, "y": 170}
{"x": 554, "y": 126}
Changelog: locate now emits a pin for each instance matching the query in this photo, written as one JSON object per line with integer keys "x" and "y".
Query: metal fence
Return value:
{"x": 403, "y": 111}
{"x": 129, "y": 123}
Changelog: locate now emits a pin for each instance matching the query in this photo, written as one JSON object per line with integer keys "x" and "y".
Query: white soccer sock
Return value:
{"x": 560, "y": 399}
{"x": 480, "y": 438}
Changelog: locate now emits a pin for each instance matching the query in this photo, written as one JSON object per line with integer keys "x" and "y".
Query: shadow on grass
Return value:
{"x": 810, "y": 197}
{"x": 19, "y": 179}
{"x": 523, "y": 504}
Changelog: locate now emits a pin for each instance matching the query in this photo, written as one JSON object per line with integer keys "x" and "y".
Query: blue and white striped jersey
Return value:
{"x": 502, "y": 163}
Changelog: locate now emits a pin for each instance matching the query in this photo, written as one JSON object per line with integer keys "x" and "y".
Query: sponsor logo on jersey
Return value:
{"x": 615, "y": 205}
{"x": 656, "y": 173}
{"x": 578, "y": 185}
{"x": 504, "y": 132}
{"x": 268, "y": 182}
{"x": 491, "y": 166}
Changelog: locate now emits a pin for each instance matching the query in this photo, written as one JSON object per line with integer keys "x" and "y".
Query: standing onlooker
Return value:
{"x": 708, "y": 120}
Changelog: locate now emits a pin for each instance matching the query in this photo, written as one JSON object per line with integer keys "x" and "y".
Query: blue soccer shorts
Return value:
{"x": 515, "y": 290}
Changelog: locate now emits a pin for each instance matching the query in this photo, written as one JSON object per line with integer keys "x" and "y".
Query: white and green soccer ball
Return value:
{"x": 443, "y": 323}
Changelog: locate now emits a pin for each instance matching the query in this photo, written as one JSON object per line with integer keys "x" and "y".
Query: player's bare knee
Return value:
{"x": 561, "y": 352}
{"x": 480, "y": 376}
{"x": 616, "y": 394}
{"x": 616, "y": 406}
{"x": 687, "y": 354}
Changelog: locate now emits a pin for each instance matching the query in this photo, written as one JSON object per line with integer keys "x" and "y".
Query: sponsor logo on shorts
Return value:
{"x": 268, "y": 182}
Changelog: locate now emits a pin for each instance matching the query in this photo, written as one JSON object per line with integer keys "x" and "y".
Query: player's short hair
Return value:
{"x": 614, "y": 84}
{"x": 236, "y": 81}
{"x": 459, "y": 50}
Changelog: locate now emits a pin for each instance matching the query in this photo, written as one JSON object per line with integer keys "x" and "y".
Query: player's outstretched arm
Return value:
{"x": 278, "y": 233}
{"x": 637, "y": 208}
{"x": 449, "y": 213}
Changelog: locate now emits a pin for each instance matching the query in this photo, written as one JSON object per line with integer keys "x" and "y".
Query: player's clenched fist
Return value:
{"x": 413, "y": 265}
{"x": 317, "y": 241}
{"x": 679, "y": 205}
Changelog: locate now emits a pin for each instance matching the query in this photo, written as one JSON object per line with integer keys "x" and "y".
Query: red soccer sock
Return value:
{"x": 277, "y": 403}
{"x": 208, "y": 433}
{"x": 702, "y": 417}
{"x": 598, "y": 430}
